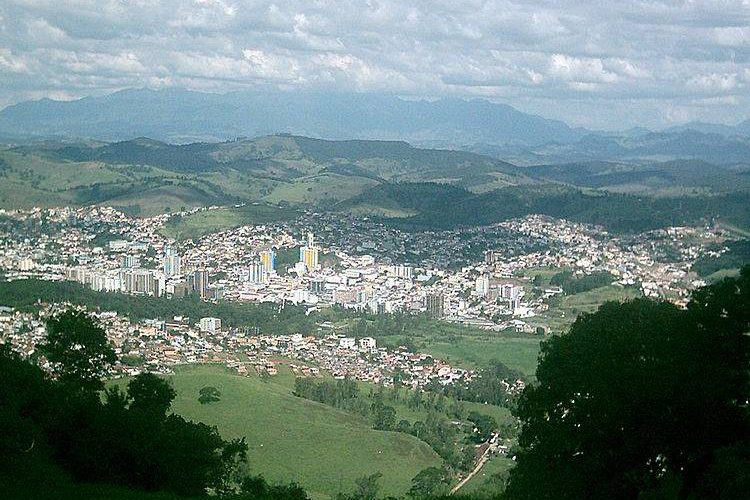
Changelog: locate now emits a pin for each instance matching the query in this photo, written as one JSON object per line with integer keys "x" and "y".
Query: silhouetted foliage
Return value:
{"x": 256, "y": 488}
{"x": 639, "y": 396}
{"x": 149, "y": 393}
{"x": 123, "y": 438}
{"x": 78, "y": 350}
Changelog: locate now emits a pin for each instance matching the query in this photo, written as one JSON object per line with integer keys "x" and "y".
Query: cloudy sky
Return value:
{"x": 612, "y": 64}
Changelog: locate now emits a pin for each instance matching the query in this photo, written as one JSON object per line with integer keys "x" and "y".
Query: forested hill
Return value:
{"x": 447, "y": 207}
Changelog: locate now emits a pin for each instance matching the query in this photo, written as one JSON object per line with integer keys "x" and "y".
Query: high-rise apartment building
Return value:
{"x": 130, "y": 261}
{"x": 309, "y": 254}
{"x": 435, "y": 304}
{"x": 268, "y": 259}
{"x": 257, "y": 272}
{"x": 200, "y": 282}
{"x": 171, "y": 263}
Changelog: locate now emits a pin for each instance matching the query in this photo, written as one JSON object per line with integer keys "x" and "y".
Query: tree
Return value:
{"x": 150, "y": 393}
{"x": 78, "y": 350}
{"x": 209, "y": 394}
{"x": 430, "y": 481}
{"x": 384, "y": 416}
{"x": 403, "y": 426}
{"x": 484, "y": 426}
{"x": 637, "y": 395}
{"x": 367, "y": 487}
{"x": 256, "y": 488}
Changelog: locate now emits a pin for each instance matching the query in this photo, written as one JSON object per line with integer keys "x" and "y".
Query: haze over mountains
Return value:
{"x": 176, "y": 115}
{"x": 181, "y": 116}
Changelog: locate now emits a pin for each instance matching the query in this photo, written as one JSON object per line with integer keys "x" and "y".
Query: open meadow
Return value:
{"x": 198, "y": 224}
{"x": 294, "y": 439}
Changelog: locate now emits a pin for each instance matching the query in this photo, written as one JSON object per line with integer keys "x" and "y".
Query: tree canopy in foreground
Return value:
{"x": 642, "y": 398}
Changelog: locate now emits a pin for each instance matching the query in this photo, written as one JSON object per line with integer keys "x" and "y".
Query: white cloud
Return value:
{"x": 611, "y": 58}
{"x": 733, "y": 36}
{"x": 580, "y": 70}
{"x": 714, "y": 82}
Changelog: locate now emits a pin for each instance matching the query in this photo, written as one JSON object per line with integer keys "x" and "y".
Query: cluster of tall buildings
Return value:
{"x": 260, "y": 269}
{"x": 402, "y": 271}
{"x": 510, "y": 292}
{"x": 130, "y": 277}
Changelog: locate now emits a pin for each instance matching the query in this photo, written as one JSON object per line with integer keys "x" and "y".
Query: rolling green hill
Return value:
{"x": 294, "y": 439}
{"x": 195, "y": 225}
{"x": 410, "y": 187}
{"x": 147, "y": 176}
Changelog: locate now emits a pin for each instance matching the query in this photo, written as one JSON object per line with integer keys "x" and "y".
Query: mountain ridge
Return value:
{"x": 178, "y": 115}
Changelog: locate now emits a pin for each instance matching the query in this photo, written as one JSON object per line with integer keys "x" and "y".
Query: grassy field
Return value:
{"x": 519, "y": 353}
{"x": 317, "y": 188}
{"x": 290, "y": 438}
{"x": 195, "y": 225}
{"x": 560, "y": 317}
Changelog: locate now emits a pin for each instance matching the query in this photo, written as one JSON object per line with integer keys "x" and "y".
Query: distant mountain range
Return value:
{"x": 176, "y": 115}
{"x": 649, "y": 147}
{"x": 714, "y": 128}
{"x": 181, "y": 116}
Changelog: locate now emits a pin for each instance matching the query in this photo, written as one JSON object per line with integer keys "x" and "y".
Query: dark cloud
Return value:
{"x": 612, "y": 64}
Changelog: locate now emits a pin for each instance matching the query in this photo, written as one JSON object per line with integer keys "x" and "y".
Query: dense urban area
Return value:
{"x": 355, "y": 265}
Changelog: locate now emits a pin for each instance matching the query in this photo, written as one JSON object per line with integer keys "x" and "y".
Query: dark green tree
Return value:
{"x": 635, "y": 396}
{"x": 78, "y": 349}
{"x": 256, "y": 488}
{"x": 367, "y": 487}
{"x": 209, "y": 394}
{"x": 430, "y": 481}
{"x": 150, "y": 393}
{"x": 384, "y": 416}
{"x": 484, "y": 426}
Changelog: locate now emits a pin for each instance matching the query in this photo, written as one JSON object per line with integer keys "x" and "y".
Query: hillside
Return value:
{"x": 414, "y": 188}
{"x": 146, "y": 176}
{"x": 294, "y": 439}
{"x": 178, "y": 115}
{"x": 446, "y": 207}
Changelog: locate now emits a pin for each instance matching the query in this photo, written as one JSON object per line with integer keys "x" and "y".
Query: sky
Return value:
{"x": 604, "y": 64}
